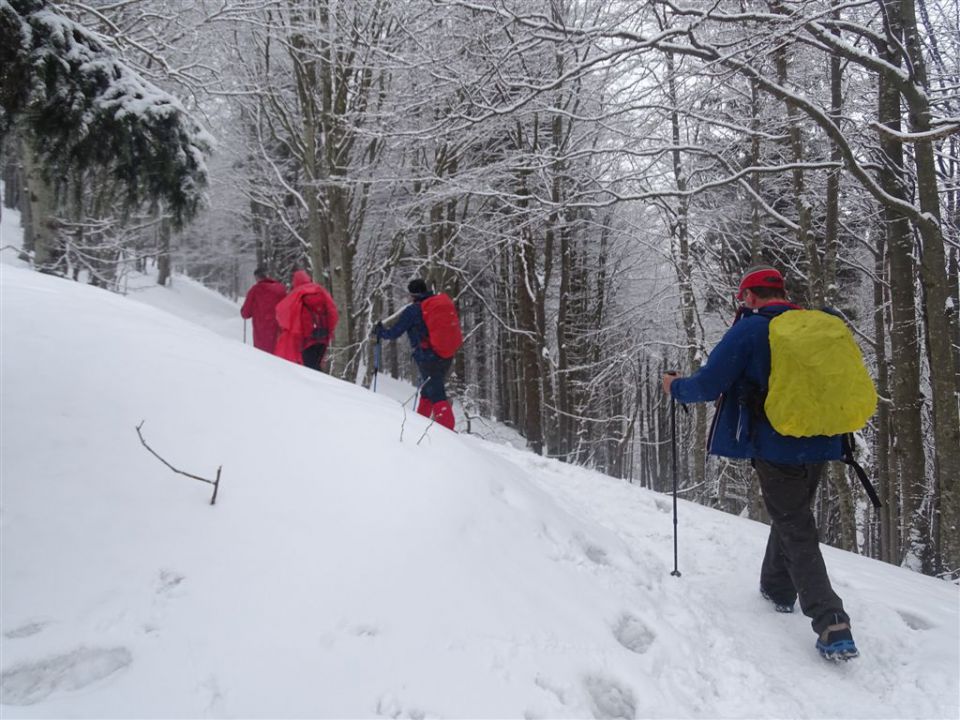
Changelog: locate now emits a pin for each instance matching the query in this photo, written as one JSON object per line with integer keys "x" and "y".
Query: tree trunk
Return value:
{"x": 163, "y": 252}
{"x": 44, "y": 225}
{"x": 805, "y": 237}
{"x": 12, "y": 182}
{"x": 904, "y": 341}
{"x": 938, "y": 320}
{"x": 340, "y": 271}
{"x": 883, "y": 457}
{"x": 756, "y": 238}
{"x": 506, "y": 357}
{"x": 529, "y": 347}
{"x": 565, "y": 334}
{"x": 261, "y": 233}
{"x": 846, "y": 516}
{"x": 832, "y": 220}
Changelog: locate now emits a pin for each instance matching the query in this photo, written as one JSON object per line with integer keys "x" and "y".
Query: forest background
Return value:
{"x": 588, "y": 179}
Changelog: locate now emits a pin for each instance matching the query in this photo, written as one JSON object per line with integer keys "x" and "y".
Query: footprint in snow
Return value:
{"x": 31, "y": 682}
{"x": 365, "y": 630}
{"x": 389, "y": 705}
{"x": 551, "y": 687}
{"x": 26, "y": 630}
{"x": 167, "y": 582}
{"x": 595, "y": 554}
{"x": 633, "y": 634}
{"x": 915, "y": 622}
{"x": 609, "y": 699}
{"x": 167, "y": 587}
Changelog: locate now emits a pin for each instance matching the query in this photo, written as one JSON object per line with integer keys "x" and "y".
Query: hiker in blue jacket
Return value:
{"x": 433, "y": 368}
{"x": 789, "y": 468}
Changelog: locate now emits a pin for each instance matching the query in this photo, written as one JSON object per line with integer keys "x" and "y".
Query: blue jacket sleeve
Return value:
{"x": 726, "y": 365}
{"x": 403, "y": 323}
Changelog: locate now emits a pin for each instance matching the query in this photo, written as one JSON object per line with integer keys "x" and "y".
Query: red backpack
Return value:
{"x": 444, "y": 336}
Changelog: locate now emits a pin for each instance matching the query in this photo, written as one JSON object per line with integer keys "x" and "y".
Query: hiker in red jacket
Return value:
{"x": 307, "y": 319}
{"x": 261, "y": 305}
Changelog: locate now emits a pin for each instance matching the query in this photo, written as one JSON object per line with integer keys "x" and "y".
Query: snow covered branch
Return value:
{"x": 936, "y": 133}
{"x": 84, "y": 107}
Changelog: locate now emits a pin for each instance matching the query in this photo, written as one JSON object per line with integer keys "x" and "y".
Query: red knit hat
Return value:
{"x": 761, "y": 276}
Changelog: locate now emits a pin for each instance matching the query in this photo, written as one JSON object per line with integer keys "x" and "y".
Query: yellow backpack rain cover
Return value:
{"x": 819, "y": 384}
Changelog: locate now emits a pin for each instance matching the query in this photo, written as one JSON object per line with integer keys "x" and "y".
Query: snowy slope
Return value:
{"x": 192, "y": 301}
{"x": 347, "y": 571}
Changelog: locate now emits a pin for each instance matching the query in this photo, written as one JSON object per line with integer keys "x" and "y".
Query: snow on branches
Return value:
{"x": 84, "y": 107}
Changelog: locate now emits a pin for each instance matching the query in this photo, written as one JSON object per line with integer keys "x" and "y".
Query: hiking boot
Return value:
{"x": 780, "y": 607}
{"x": 836, "y": 643}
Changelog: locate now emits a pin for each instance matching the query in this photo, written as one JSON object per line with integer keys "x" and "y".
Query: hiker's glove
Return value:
{"x": 377, "y": 330}
{"x": 667, "y": 381}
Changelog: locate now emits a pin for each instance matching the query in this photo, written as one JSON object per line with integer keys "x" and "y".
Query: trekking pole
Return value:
{"x": 673, "y": 432}
{"x": 376, "y": 363}
{"x": 244, "y": 332}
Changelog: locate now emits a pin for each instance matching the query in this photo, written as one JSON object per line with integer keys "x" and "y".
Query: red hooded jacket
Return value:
{"x": 308, "y": 306}
{"x": 261, "y": 305}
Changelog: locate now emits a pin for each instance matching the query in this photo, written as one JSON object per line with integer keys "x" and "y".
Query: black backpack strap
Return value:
{"x": 846, "y": 443}
{"x": 319, "y": 331}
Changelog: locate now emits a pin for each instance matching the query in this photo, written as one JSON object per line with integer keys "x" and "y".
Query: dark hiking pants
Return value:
{"x": 313, "y": 356}
{"x": 793, "y": 566}
{"x": 432, "y": 376}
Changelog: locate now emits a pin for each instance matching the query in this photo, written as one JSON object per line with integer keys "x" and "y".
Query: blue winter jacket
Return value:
{"x": 738, "y": 366}
{"x": 411, "y": 322}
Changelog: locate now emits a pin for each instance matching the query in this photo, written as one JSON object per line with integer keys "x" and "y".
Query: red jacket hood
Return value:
{"x": 301, "y": 277}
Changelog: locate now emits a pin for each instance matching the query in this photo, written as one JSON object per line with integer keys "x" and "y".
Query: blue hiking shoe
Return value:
{"x": 836, "y": 643}
{"x": 780, "y": 607}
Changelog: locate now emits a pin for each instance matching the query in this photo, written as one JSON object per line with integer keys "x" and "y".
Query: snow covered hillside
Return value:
{"x": 358, "y": 564}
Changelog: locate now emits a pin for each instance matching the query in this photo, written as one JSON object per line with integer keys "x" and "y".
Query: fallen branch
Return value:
{"x": 215, "y": 483}
{"x": 403, "y": 420}
{"x": 429, "y": 425}
{"x": 403, "y": 407}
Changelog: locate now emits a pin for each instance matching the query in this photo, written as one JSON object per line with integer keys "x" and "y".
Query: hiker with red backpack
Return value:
{"x": 769, "y": 371}
{"x": 307, "y": 318}
{"x": 261, "y": 305}
{"x": 431, "y": 324}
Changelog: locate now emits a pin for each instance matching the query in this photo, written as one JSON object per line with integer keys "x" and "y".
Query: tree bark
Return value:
{"x": 564, "y": 335}
{"x": 529, "y": 346}
{"x": 831, "y": 233}
{"x": 889, "y": 531}
{"x": 163, "y": 252}
{"x": 938, "y": 320}
{"x": 42, "y": 238}
{"x": 904, "y": 341}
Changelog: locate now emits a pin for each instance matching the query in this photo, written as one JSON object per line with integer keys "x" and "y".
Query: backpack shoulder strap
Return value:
{"x": 846, "y": 443}
{"x": 313, "y": 314}
{"x": 768, "y": 312}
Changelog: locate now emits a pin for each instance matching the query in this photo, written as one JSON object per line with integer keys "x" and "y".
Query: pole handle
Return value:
{"x": 676, "y": 372}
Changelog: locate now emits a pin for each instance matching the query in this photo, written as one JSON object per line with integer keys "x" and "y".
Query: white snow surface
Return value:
{"x": 350, "y": 569}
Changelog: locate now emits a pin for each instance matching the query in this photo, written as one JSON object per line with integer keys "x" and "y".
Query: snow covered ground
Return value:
{"x": 359, "y": 564}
